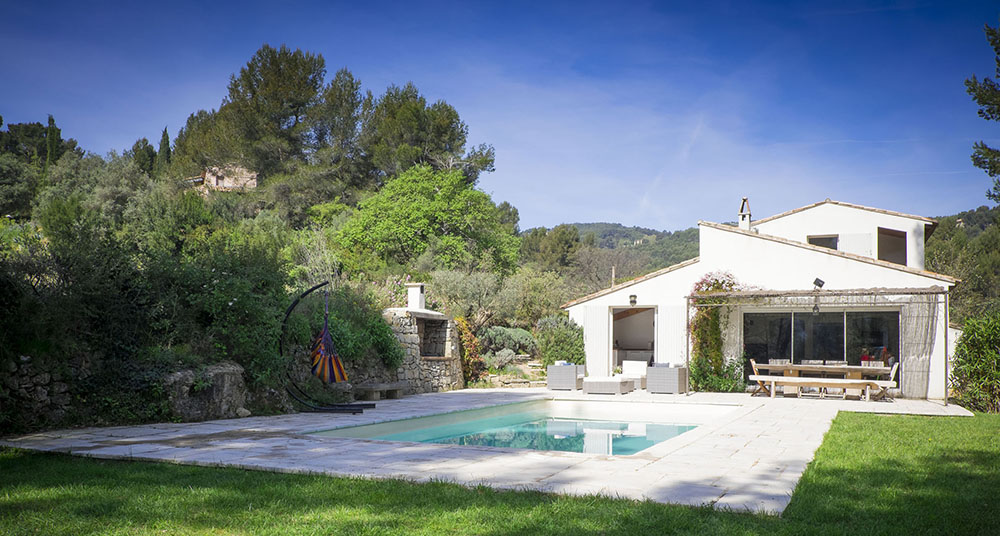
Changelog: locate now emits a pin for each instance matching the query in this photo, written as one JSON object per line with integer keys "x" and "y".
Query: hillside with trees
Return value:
{"x": 117, "y": 270}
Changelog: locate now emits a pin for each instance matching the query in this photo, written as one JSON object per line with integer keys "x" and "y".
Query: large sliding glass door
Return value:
{"x": 875, "y": 335}
{"x": 819, "y": 337}
{"x": 831, "y": 337}
{"x": 767, "y": 336}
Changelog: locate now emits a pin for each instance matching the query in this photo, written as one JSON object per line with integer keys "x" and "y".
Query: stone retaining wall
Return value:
{"x": 41, "y": 391}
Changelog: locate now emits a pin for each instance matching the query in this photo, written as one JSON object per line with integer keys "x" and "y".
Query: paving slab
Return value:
{"x": 750, "y": 458}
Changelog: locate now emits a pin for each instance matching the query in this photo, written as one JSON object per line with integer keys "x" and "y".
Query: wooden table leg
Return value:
{"x": 795, "y": 388}
{"x": 854, "y": 392}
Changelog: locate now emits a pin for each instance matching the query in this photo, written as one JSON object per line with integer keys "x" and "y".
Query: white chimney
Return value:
{"x": 415, "y": 298}
{"x": 744, "y": 218}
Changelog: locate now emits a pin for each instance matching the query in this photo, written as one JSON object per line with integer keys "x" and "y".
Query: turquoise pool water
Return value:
{"x": 526, "y": 426}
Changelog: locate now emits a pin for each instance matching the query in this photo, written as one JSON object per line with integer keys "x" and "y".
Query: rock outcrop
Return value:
{"x": 215, "y": 392}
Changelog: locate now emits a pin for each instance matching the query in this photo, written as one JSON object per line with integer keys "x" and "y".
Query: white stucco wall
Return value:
{"x": 755, "y": 261}
{"x": 857, "y": 229}
{"x": 666, "y": 293}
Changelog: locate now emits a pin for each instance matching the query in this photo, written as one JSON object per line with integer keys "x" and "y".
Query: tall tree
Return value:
{"x": 24, "y": 140}
{"x": 144, "y": 155}
{"x": 208, "y": 138}
{"x": 986, "y": 93}
{"x": 162, "y": 155}
{"x": 336, "y": 118}
{"x": 52, "y": 139}
{"x": 269, "y": 99}
{"x": 401, "y": 130}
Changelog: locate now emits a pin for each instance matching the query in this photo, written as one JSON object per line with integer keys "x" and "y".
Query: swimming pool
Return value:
{"x": 596, "y": 427}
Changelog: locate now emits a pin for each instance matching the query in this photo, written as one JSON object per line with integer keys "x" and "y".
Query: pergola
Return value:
{"x": 870, "y": 297}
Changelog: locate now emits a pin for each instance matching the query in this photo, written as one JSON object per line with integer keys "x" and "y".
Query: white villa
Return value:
{"x": 831, "y": 281}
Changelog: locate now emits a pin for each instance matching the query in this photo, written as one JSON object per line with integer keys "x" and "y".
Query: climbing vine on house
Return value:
{"x": 710, "y": 369}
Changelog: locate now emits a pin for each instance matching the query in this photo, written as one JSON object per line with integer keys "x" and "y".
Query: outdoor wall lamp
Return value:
{"x": 816, "y": 310}
{"x": 632, "y": 300}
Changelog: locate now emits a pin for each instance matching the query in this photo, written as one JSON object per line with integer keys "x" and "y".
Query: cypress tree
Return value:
{"x": 51, "y": 143}
{"x": 163, "y": 155}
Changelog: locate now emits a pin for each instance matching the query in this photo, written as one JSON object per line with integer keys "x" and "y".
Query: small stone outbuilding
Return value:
{"x": 432, "y": 360}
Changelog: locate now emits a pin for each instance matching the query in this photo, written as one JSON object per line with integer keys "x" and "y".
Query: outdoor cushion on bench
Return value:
{"x": 615, "y": 385}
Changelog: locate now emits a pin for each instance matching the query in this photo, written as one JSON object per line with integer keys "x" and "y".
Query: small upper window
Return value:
{"x": 827, "y": 241}
{"x": 892, "y": 245}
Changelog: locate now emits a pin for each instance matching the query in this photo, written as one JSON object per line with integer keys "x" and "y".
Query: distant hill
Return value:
{"x": 616, "y": 235}
{"x": 973, "y": 221}
{"x": 658, "y": 249}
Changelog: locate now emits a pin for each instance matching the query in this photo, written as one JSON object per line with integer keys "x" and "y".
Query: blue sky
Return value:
{"x": 655, "y": 114}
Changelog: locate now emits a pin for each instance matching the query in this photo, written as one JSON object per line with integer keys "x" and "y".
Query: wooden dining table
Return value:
{"x": 847, "y": 371}
{"x": 854, "y": 372}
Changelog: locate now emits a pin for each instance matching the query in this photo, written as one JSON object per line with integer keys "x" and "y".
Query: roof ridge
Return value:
{"x": 845, "y": 204}
{"x": 834, "y": 252}
{"x": 630, "y": 282}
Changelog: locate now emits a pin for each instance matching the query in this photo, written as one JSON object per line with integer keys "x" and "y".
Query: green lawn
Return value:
{"x": 872, "y": 475}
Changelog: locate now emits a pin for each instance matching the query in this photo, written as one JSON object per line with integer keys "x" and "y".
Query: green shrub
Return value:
{"x": 122, "y": 392}
{"x": 704, "y": 377}
{"x": 498, "y": 361}
{"x": 976, "y": 376}
{"x": 559, "y": 339}
{"x": 241, "y": 298}
{"x": 517, "y": 340}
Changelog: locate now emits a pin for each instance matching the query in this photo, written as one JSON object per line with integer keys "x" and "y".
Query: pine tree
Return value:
{"x": 986, "y": 93}
{"x": 162, "y": 155}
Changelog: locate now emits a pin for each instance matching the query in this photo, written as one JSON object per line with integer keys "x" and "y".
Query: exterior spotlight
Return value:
{"x": 818, "y": 282}
{"x": 632, "y": 300}
{"x": 816, "y": 310}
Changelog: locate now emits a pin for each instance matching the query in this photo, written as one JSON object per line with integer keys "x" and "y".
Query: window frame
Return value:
{"x": 835, "y": 237}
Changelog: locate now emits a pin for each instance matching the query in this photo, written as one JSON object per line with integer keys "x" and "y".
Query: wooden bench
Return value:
{"x": 379, "y": 391}
{"x": 836, "y": 383}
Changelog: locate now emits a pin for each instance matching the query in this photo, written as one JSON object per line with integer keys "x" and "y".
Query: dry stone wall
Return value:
{"x": 40, "y": 390}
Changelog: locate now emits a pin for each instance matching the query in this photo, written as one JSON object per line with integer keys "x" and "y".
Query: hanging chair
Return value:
{"x": 325, "y": 363}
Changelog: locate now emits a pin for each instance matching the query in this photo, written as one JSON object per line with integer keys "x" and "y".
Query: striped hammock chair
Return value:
{"x": 326, "y": 363}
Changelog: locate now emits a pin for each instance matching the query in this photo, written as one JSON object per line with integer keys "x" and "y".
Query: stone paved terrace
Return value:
{"x": 748, "y": 459}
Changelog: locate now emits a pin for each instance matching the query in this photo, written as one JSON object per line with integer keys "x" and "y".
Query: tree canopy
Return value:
{"x": 438, "y": 211}
{"x": 986, "y": 93}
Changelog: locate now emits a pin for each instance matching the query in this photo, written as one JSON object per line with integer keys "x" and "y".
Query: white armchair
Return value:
{"x": 635, "y": 371}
